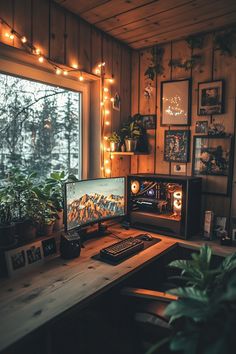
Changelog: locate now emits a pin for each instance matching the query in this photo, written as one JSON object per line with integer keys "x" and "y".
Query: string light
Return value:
{"x": 41, "y": 59}
{"x": 105, "y": 138}
{"x": 106, "y": 111}
{"x": 75, "y": 66}
{"x": 58, "y": 71}
{"x": 106, "y": 162}
{"x": 112, "y": 99}
{"x": 23, "y": 39}
{"x": 102, "y": 103}
{"x": 106, "y": 89}
{"x": 81, "y": 78}
{"x": 107, "y": 122}
{"x": 37, "y": 51}
{"x": 108, "y": 171}
{"x": 65, "y": 72}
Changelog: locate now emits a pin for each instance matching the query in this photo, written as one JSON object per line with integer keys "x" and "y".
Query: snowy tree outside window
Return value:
{"x": 39, "y": 127}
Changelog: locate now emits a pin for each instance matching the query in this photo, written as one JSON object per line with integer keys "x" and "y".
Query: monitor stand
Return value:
{"x": 102, "y": 230}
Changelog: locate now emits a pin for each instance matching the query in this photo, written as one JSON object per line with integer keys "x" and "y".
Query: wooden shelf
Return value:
{"x": 126, "y": 153}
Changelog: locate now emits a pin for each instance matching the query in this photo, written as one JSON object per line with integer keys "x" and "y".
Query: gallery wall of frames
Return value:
{"x": 195, "y": 110}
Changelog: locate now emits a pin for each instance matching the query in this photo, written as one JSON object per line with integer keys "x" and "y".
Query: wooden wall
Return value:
{"x": 69, "y": 40}
{"x": 214, "y": 66}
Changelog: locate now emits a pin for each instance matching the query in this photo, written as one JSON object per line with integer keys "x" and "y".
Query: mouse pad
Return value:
{"x": 147, "y": 244}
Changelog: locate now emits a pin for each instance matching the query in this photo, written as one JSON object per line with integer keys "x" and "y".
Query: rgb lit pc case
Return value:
{"x": 169, "y": 205}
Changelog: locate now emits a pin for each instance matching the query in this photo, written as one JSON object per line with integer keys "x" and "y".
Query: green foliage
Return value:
{"x": 133, "y": 128}
{"x": 204, "y": 316}
{"x": 6, "y": 204}
{"x": 114, "y": 138}
{"x": 195, "y": 41}
{"x": 224, "y": 40}
{"x": 155, "y": 67}
{"x": 187, "y": 64}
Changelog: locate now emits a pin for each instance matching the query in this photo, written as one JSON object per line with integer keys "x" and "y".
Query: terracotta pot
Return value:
{"x": 7, "y": 235}
{"x": 58, "y": 225}
{"x": 26, "y": 230}
{"x": 47, "y": 229}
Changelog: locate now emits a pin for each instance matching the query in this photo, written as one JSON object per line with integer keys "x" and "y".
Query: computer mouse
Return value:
{"x": 146, "y": 237}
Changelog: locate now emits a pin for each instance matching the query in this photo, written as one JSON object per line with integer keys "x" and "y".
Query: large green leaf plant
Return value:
{"x": 204, "y": 317}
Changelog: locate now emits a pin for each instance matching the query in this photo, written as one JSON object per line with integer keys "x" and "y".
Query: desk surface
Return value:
{"x": 32, "y": 300}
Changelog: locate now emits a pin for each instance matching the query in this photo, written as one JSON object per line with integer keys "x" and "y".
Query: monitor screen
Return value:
{"x": 91, "y": 201}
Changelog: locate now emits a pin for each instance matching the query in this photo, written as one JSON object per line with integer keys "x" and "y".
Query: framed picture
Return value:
{"x": 49, "y": 247}
{"x": 20, "y": 259}
{"x": 176, "y": 145}
{"x": 234, "y": 235}
{"x": 176, "y": 102}
{"x": 201, "y": 127}
{"x": 149, "y": 121}
{"x": 212, "y": 161}
{"x": 179, "y": 168}
{"x": 210, "y": 97}
{"x": 116, "y": 102}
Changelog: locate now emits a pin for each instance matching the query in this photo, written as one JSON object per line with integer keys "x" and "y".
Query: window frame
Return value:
{"x": 34, "y": 73}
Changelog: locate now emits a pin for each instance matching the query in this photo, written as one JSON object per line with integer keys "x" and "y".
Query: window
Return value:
{"x": 40, "y": 127}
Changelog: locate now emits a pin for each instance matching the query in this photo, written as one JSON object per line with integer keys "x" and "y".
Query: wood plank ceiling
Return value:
{"x": 142, "y": 23}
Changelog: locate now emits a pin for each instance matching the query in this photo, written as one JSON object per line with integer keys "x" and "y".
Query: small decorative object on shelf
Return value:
{"x": 114, "y": 141}
{"x": 208, "y": 225}
{"x": 149, "y": 121}
{"x": 133, "y": 134}
{"x": 217, "y": 129}
{"x": 210, "y": 98}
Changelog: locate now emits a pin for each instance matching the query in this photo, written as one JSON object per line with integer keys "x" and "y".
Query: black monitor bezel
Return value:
{"x": 79, "y": 227}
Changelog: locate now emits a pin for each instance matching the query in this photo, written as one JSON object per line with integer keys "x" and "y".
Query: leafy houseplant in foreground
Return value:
{"x": 204, "y": 316}
{"x": 114, "y": 141}
{"x": 7, "y": 227}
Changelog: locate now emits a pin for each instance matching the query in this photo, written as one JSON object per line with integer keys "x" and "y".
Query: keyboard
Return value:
{"x": 122, "y": 249}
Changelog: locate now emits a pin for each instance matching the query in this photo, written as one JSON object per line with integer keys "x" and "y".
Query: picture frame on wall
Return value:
{"x": 116, "y": 102}
{"x": 201, "y": 127}
{"x": 210, "y": 98}
{"x": 176, "y": 145}
{"x": 212, "y": 161}
{"x": 149, "y": 121}
{"x": 176, "y": 102}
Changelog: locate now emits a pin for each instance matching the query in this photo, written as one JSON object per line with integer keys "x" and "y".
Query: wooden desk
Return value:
{"x": 33, "y": 300}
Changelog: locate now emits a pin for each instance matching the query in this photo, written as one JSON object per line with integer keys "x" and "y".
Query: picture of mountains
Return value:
{"x": 87, "y": 207}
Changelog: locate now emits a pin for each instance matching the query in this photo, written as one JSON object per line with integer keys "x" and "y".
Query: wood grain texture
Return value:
{"x": 31, "y": 301}
{"x": 142, "y": 23}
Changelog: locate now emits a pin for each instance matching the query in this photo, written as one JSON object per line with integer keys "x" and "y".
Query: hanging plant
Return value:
{"x": 155, "y": 67}
{"x": 187, "y": 64}
{"x": 224, "y": 40}
{"x": 195, "y": 42}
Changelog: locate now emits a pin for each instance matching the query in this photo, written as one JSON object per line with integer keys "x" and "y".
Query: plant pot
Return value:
{"x": 130, "y": 144}
{"x": 26, "y": 230}
{"x": 47, "y": 229}
{"x": 7, "y": 235}
{"x": 114, "y": 146}
{"x": 58, "y": 225}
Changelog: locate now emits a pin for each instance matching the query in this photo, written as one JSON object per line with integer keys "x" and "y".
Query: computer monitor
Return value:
{"x": 93, "y": 201}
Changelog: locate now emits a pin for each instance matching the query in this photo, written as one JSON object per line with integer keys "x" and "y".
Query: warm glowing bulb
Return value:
{"x": 106, "y": 162}
{"x": 97, "y": 71}
{"x": 111, "y": 80}
{"x": 75, "y": 66}
{"x": 37, "y": 51}
{"x": 81, "y": 78}
{"x": 103, "y": 64}
{"x": 107, "y": 111}
{"x": 41, "y": 59}
{"x": 102, "y": 146}
{"x": 108, "y": 171}
{"x": 107, "y": 122}
{"x": 105, "y": 138}
{"x": 102, "y": 168}
{"x": 112, "y": 99}
{"x": 106, "y": 89}
{"x": 112, "y": 157}
{"x": 58, "y": 71}
{"x": 105, "y": 98}
{"x": 102, "y": 103}
{"x": 23, "y": 39}
{"x": 7, "y": 34}
{"x": 65, "y": 72}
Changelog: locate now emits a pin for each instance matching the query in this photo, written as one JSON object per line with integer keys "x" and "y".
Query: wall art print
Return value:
{"x": 176, "y": 145}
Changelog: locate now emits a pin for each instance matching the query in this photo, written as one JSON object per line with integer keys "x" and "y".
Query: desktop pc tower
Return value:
{"x": 169, "y": 205}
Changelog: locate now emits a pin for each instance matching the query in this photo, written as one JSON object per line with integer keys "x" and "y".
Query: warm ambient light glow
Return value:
{"x": 108, "y": 171}
{"x": 107, "y": 122}
{"x": 37, "y": 51}
{"x": 9, "y": 35}
{"x": 111, "y": 80}
{"x": 102, "y": 103}
{"x": 81, "y": 78}
{"x": 107, "y": 111}
{"x": 65, "y": 72}
{"x": 23, "y": 39}
{"x": 106, "y": 89}
{"x": 58, "y": 71}
{"x": 41, "y": 59}
{"x": 112, "y": 99}
{"x": 75, "y": 66}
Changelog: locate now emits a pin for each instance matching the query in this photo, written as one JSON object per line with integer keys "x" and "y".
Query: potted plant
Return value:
{"x": 114, "y": 141}
{"x": 25, "y": 203}
{"x": 204, "y": 316}
{"x": 134, "y": 135}
{"x": 47, "y": 219}
{"x": 53, "y": 192}
{"x": 7, "y": 226}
